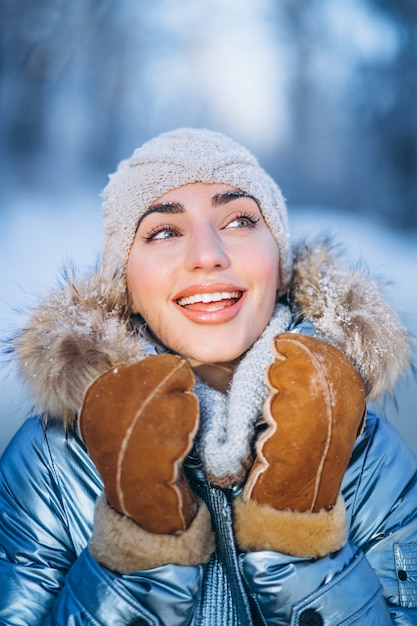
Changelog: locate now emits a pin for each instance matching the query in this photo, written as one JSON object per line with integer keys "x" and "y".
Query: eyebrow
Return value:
{"x": 164, "y": 207}
{"x": 217, "y": 199}
{"x": 228, "y": 196}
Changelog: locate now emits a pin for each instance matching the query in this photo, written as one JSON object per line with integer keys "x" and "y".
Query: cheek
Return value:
{"x": 270, "y": 271}
{"x": 148, "y": 282}
{"x": 274, "y": 266}
{"x": 136, "y": 280}
{"x": 265, "y": 265}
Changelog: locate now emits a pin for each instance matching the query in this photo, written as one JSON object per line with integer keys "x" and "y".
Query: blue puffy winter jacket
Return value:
{"x": 49, "y": 484}
{"x": 48, "y": 487}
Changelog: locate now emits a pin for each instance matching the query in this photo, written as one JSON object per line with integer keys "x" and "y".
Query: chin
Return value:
{"x": 213, "y": 349}
{"x": 214, "y": 356}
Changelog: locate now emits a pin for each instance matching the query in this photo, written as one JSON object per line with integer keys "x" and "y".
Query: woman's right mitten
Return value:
{"x": 138, "y": 423}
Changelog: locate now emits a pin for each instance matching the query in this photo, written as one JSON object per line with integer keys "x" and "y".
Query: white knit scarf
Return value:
{"x": 228, "y": 420}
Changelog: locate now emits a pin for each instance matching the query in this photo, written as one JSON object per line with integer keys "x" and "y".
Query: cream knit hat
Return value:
{"x": 174, "y": 159}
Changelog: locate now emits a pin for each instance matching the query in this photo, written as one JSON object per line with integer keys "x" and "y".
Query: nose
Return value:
{"x": 205, "y": 250}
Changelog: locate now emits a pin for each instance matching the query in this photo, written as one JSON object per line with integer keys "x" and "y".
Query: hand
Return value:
{"x": 138, "y": 422}
{"x": 314, "y": 412}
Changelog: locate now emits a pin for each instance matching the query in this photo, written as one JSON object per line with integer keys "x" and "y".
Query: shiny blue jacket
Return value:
{"x": 48, "y": 487}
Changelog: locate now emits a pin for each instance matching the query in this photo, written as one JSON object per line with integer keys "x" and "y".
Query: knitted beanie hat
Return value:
{"x": 174, "y": 159}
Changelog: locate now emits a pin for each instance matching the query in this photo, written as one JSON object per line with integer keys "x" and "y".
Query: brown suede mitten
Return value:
{"x": 138, "y": 422}
{"x": 315, "y": 411}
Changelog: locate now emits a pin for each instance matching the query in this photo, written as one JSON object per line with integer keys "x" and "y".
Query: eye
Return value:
{"x": 243, "y": 220}
{"x": 161, "y": 232}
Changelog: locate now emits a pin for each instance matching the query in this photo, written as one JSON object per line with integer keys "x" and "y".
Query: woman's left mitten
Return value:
{"x": 291, "y": 502}
{"x": 138, "y": 423}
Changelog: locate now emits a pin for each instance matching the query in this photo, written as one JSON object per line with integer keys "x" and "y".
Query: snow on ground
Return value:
{"x": 38, "y": 236}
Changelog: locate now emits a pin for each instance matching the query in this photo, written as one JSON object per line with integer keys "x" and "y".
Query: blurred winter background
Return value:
{"x": 323, "y": 92}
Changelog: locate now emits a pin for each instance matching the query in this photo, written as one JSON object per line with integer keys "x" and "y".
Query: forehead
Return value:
{"x": 215, "y": 194}
{"x": 192, "y": 189}
{"x": 196, "y": 197}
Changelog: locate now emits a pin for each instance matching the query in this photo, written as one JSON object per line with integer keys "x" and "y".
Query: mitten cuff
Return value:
{"x": 309, "y": 535}
{"x": 120, "y": 544}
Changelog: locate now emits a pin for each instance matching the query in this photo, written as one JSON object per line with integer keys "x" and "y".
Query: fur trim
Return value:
{"x": 121, "y": 545}
{"x": 81, "y": 330}
{"x": 228, "y": 420}
{"x": 77, "y": 333}
{"x": 308, "y": 535}
{"x": 349, "y": 310}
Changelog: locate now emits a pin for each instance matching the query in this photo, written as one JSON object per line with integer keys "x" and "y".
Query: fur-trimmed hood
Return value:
{"x": 82, "y": 329}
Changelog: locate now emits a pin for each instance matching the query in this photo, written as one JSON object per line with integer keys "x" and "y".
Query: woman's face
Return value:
{"x": 203, "y": 271}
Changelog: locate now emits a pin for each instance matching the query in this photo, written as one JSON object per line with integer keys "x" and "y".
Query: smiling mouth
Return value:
{"x": 211, "y": 301}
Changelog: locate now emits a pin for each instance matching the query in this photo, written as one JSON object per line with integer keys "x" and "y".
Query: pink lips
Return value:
{"x": 210, "y": 304}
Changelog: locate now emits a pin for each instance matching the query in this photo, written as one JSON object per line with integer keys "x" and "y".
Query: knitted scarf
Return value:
{"x": 228, "y": 420}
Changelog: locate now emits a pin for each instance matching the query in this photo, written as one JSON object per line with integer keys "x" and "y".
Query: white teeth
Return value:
{"x": 209, "y": 297}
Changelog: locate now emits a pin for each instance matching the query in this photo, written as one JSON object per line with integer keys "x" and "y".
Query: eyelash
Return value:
{"x": 251, "y": 219}
{"x": 149, "y": 237}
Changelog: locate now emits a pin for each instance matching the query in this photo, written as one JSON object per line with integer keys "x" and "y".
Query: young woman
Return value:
{"x": 203, "y": 453}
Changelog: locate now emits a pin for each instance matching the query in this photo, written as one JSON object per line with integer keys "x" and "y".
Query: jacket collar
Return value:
{"x": 81, "y": 329}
